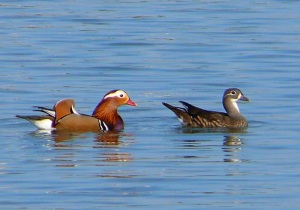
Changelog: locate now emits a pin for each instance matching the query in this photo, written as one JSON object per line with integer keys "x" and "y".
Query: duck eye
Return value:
{"x": 233, "y": 92}
{"x": 121, "y": 95}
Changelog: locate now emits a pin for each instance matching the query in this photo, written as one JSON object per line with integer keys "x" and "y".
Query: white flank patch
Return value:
{"x": 45, "y": 124}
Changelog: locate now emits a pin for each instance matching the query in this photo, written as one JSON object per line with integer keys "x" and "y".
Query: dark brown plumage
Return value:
{"x": 196, "y": 117}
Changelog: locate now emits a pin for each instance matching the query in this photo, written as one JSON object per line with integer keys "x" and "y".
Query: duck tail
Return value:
{"x": 181, "y": 113}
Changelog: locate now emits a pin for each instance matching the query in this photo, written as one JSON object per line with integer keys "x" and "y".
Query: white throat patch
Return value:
{"x": 235, "y": 105}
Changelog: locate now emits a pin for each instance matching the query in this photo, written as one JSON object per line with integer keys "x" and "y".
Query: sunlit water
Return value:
{"x": 156, "y": 51}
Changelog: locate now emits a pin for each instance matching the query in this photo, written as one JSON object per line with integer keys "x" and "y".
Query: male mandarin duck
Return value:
{"x": 64, "y": 117}
{"x": 196, "y": 117}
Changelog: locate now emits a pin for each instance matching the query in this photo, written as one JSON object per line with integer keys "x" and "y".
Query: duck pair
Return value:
{"x": 64, "y": 117}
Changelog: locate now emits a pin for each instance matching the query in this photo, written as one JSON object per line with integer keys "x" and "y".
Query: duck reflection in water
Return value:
{"x": 191, "y": 130}
{"x": 232, "y": 147}
{"x": 104, "y": 143}
{"x": 105, "y": 138}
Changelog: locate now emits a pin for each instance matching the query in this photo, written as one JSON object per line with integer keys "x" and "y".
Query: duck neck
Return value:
{"x": 231, "y": 108}
{"x": 108, "y": 113}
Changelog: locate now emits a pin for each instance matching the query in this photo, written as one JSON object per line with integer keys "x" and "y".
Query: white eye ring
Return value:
{"x": 232, "y": 92}
{"x": 121, "y": 95}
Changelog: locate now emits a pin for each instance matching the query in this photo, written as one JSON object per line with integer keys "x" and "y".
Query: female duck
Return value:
{"x": 197, "y": 117}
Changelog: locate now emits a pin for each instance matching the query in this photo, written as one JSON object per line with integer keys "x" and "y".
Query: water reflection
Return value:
{"x": 108, "y": 138}
{"x": 105, "y": 138}
{"x": 186, "y": 129}
{"x": 232, "y": 143}
{"x": 232, "y": 148}
{"x": 71, "y": 152}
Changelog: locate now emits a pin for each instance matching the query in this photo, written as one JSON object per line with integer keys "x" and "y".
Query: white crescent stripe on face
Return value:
{"x": 118, "y": 93}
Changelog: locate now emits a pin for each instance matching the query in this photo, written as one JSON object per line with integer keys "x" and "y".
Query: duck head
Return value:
{"x": 116, "y": 98}
{"x": 230, "y": 97}
{"x": 107, "y": 109}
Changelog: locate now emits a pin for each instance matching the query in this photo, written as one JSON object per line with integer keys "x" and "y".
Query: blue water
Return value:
{"x": 156, "y": 51}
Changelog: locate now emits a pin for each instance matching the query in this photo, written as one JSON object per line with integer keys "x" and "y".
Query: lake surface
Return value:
{"x": 156, "y": 51}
